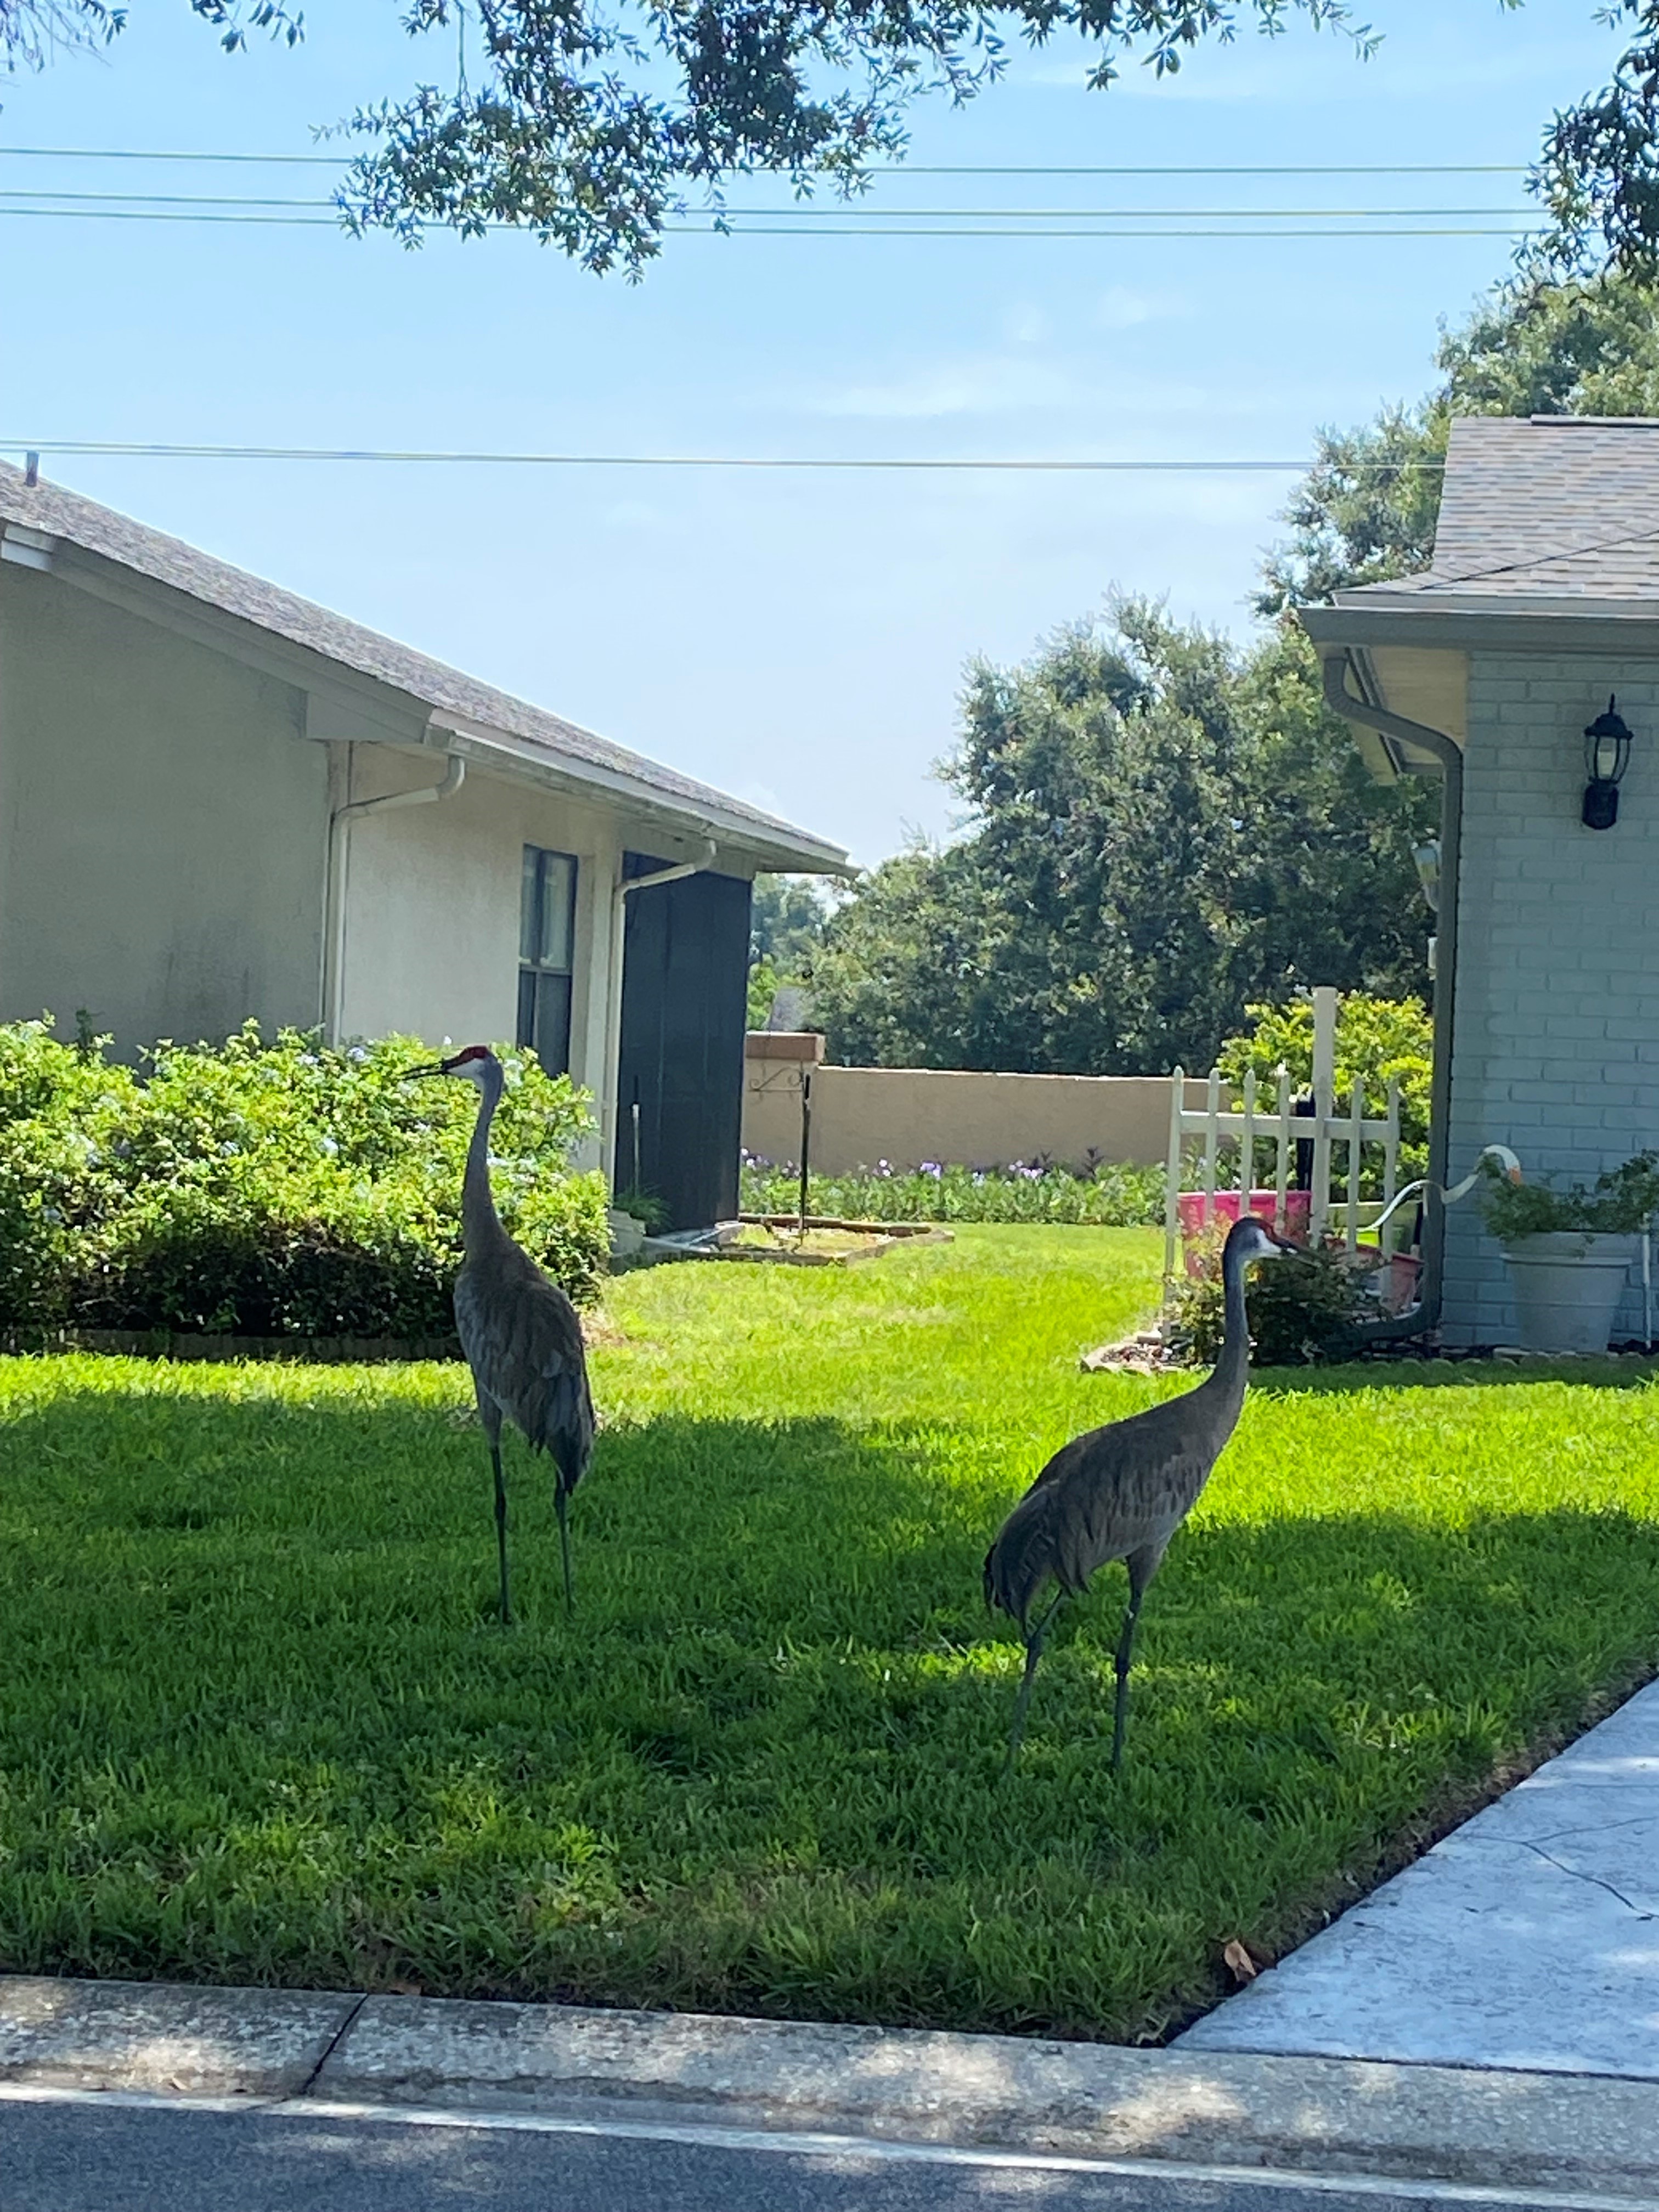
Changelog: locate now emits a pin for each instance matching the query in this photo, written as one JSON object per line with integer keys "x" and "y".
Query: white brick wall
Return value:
{"x": 1555, "y": 1042}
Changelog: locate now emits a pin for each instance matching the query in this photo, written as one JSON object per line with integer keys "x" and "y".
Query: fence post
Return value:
{"x": 1324, "y": 1089}
{"x": 1172, "y": 1180}
{"x": 1391, "y": 1143}
{"x": 1282, "y": 1171}
{"x": 1247, "y": 1147}
{"x": 1356, "y": 1139}
{"x": 1211, "y": 1107}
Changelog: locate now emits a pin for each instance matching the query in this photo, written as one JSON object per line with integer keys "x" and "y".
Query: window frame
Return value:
{"x": 535, "y": 971}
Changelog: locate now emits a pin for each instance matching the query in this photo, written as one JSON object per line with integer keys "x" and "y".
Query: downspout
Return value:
{"x": 610, "y": 1105}
{"x": 1417, "y": 1320}
{"x": 339, "y": 821}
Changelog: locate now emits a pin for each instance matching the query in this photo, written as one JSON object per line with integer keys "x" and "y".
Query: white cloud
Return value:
{"x": 1121, "y": 308}
{"x": 1027, "y": 326}
{"x": 990, "y": 384}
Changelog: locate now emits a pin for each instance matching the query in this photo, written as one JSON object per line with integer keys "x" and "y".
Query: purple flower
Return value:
{"x": 931, "y": 1168}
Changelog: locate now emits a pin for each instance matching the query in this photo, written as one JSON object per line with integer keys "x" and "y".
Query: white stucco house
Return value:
{"x": 1541, "y": 606}
{"x": 219, "y": 800}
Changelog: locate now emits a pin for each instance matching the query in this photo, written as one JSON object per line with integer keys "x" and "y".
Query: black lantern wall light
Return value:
{"x": 1606, "y": 755}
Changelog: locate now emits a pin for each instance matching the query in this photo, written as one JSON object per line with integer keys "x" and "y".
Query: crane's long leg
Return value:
{"x": 1033, "y": 1653}
{"x": 1125, "y": 1646}
{"x": 500, "y": 1525}
{"x": 561, "y": 1502}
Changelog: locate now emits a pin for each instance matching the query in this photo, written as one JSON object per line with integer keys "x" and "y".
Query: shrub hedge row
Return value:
{"x": 288, "y": 1188}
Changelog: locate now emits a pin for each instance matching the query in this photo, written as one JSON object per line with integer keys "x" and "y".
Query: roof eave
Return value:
{"x": 767, "y": 847}
{"x": 1490, "y": 623}
{"x": 780, "y": 848}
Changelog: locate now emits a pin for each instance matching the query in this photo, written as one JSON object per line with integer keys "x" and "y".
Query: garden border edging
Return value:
{"x": 1105, "y": 2101}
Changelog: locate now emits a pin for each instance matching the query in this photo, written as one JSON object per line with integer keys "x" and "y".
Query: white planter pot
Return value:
{"x": 627, "y": 1235}
{"x": 1567, "y": 1286}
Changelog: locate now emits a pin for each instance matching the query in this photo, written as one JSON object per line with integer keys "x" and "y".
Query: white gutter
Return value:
{"x": 609, "y": 1103}
{"x": 339, "y": 844}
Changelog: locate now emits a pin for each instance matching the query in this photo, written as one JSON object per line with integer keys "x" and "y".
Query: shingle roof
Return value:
{"x": 1551, "y": 505}
{"x": 169, "y": 561}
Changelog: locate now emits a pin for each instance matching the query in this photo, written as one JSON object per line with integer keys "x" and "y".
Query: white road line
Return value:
{"x": 873, "y": 2148}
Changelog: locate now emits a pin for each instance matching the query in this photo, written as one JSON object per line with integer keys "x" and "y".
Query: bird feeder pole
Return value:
{"x": 806, "y": 1144}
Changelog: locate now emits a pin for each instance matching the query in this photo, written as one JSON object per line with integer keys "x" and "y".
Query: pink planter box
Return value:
{"x": 1223, "y": 1212}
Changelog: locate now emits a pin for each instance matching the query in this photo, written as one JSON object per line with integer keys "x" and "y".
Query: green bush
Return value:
{"x": 1306, "y": 1309}
{"x": 268, "y": 1189}
{"x": 63, "y": 1114}
{"x": 1376, "y": 1038}
{"x": 1106, "y": 1194}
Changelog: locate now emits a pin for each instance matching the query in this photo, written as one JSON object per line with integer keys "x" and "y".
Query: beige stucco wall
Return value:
{"x": 162, "y": 826}
{"x": 430, "y": 902}
{"x": 431, "y": 898}
{"x": 906, "y": 1115}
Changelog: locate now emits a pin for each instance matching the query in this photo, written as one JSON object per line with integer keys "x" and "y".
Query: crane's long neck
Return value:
{"x": 480, "y": 1223}
{"x": 1232, "y": 1367}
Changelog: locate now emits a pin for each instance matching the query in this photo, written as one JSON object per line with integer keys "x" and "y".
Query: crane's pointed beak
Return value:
{"x": 432, "y": 1067}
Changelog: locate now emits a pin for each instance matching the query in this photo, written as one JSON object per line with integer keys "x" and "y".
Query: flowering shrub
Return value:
{"x": 268, "y": 1189}
{"x": 1104, "y": 1192}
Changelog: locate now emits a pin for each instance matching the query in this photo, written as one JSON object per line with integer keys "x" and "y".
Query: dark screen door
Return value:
{"x": 685, "y": 971}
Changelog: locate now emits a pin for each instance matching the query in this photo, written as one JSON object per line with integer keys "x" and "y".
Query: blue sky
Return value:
{"x": 797, "y": 639}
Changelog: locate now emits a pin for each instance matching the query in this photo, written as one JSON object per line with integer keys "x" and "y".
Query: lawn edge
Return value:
{"x": 365, "y": 2053}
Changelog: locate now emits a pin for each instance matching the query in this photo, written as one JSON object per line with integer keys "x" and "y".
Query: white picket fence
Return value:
{"x": 1262, "y": 1122}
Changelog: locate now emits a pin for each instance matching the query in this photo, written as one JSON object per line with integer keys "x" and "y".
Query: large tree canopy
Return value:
{"x": 1168, "y": 828}
{"x": 589, "y": 122}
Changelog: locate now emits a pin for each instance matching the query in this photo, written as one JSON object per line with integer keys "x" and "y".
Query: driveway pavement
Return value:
{"x": 1528, "y": 1938}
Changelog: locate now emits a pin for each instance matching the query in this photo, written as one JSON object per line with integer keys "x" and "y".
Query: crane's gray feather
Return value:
{"x": 523, "y": 1341}
{"x": 1118, "y": 1492}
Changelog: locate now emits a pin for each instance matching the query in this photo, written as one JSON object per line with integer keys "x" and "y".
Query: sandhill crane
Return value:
{"x": 519, "y": 1331}
{"x": 1121, "y": 1492}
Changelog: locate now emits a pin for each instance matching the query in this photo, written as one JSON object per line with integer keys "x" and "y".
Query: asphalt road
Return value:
{"x": 102, "y": 2155}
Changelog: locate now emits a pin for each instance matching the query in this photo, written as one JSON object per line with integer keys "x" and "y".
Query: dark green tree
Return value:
{"x": 1165, "y": 828}
{"x": 786, "y": 921}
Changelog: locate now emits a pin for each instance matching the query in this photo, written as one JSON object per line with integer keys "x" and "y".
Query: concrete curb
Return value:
{"x": 1226, "y": 2109}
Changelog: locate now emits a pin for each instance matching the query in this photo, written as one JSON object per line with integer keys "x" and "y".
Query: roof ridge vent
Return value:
{"x": 1595, "y": 422}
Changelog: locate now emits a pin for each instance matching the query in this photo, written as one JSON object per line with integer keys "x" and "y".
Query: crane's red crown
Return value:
{"x": 465, "y": 1057}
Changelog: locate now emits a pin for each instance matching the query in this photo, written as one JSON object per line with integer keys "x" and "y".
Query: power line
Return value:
{"x": 142, "y": 451}
{"x": 890, "y": 169}
{"x": 117, "y": 202}
{"x": 737, "y": 229}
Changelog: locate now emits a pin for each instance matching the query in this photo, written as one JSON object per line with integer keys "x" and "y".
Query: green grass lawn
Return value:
{"x": 258, "y": 1724}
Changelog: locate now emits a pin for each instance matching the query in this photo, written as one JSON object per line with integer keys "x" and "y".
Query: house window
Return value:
{"x": 547, "y": 937}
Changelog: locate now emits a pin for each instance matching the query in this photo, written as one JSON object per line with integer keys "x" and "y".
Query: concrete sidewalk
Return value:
{"x": 1528, "y": 1938}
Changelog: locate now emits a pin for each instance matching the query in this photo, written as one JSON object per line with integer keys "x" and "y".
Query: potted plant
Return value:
{"x": 1569, "y": 1251}
{"x": 633, "y": 1214}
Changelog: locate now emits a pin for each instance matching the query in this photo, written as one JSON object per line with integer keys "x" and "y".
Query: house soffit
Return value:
{"x": 1425, "y": 683}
